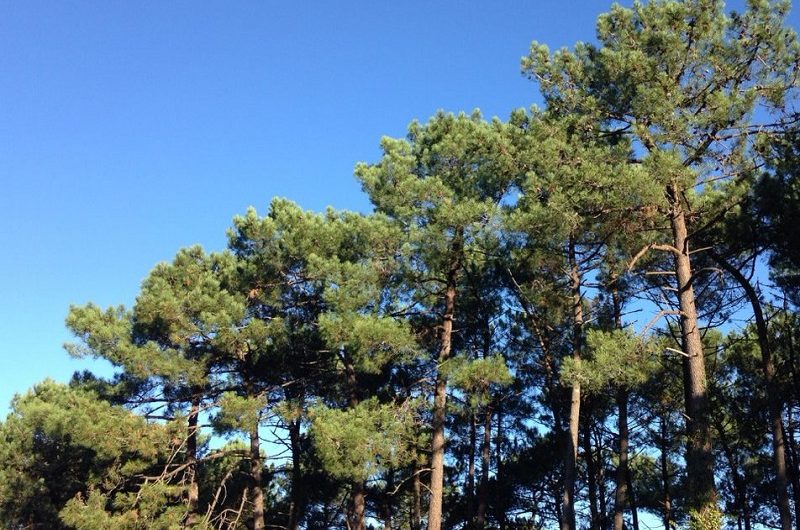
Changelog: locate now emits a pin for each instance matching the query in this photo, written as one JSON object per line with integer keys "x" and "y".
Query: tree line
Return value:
{"x": 558, "y": 320}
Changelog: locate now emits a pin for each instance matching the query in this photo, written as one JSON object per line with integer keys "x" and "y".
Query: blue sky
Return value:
{"x": 131, "y": 129}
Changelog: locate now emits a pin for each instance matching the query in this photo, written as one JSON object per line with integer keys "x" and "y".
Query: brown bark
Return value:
{"x": 621, "y": 477}
{"x": 701, "y": 490}
{"x": 591, "y": 473}
{"x": 571, "y": 449}
{"x": 416, "y": 496}
{"x": 789, "y": 428}
{"x": 498, "y": 446}
{"x": 666, "y": 509}
{"x": 440, "y": 393}
{"x": 741, "y": 503}
{"x": 193, "y": 491}
{"x": 483, "y": 491}
{"x": 358, "y": 503}
{"x": 386, "y": 504}
{"x": 632, "y": 497}
{"x": 387, "y": 516}
{"x": 358, "y": 498}
{"x": 774, "y": 399}
{"x": 602, "y": 495}
{"x": 558, "y": 504}
{"x": 256, "y": 470}
{"x": 295, "y": 503}
{"x": 473, "y": 435}
{"x": 794, "y": 464}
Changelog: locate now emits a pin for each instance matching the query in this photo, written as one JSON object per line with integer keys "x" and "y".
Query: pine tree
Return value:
{"x": 173, "y": 337}
{"x": 71, "y": 460}
{"x": 682, "y": 80}
{"x": 579, "y": 192}
{"x": 443, "y": 186}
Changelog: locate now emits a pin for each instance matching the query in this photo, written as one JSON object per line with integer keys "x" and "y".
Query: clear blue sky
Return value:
{"x": 131, "y": 129}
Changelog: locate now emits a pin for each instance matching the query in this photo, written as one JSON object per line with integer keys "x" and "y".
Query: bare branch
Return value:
{"x": 647, "y": 248}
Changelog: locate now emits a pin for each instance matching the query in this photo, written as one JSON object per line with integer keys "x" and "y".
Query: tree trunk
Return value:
{"x": 483, "y": 491}
{"x": 739, "y": 482}
{"x": 774, "y": 399}
{"x": 794, "y": 463}
{"x": 666, "y": 512}
{"x": 571, "y": 450}
{"x": 193, "y": 491}
{"x": 701, "y": 491}
{"x": 387, "y": 516}
{"x": 602, "y": 494}
{"x": 632, "y": 498}
{"x": 358, "y": 503}
{"x": 621, "y": 475}
{"x": 591, "y": 472}
{"x": 295, "y": 504}
{"x": 621, "y": 494}
{"x": 471, "y": 471}
{"x": 440, "y": 395}
{"x": 386, "y": 504}
{"x": 416, "y": 494}
{"x": 789, "y": 428}
{"x": 256, "y": 478}
{"x": 498, "y": 448}
{"x": 558, "y": 504}
{"x": 358, "y": 499}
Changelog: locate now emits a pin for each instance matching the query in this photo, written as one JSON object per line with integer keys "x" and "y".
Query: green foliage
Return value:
{"x": 444, "y": 183}
{"x": 478, "y": 377}
{"x": 154, "y": 506}
{"x": 360, "y": 442}
{"x": 517, "y": 223}
{"x": 238, "y": 413}
{"x": 372, "y": 342}
{"x": 618, "y": 357}
{"x": 75, "y": 446}
{"x": 708, "y": 518}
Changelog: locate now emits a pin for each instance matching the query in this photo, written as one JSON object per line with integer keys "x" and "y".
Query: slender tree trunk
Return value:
{"x": 358, "y": 498}
{"x": 794, "y": 463}
{"x": 621, "y": 476}
{"x": 621, "y": 494}
{"x": 387, "y": 516}
{"x": 793, "y": 368}
{"x": 440, "y": 395}
{"x": 701, "y": 490}
{"x": 558, "y": 503}
{"x": 789, "y": 431}
{"x": 357, "y": 508}
{"x": 416, "y": 495}
{"x": 666, "y": 509}
{"x": 386, "y": 504}
{"x": 632, "y": 498}
{"x": 295, "y": 504}
{"x": 602, "y": 493}
{"x": 483, "y": 491}
{"x": 591, "y": 472}
{"x": 739, "y": 483}
{"x": 193, "y": 491}
{"x": 571, "y": 450}
{"x": 774, "y": 399}
{"x": 256, "y": 470}
{"x": 498, "y": 447}
{"x": 473, "y": 441}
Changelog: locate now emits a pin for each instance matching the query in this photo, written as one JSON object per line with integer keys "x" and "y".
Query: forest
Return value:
{"x": 583, "y": 316}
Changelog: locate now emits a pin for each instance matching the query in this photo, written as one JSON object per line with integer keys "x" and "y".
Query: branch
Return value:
{"x": 662, "y": 313}
{"x": 647, "y": 248}
{"x": 677, "y": 351}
